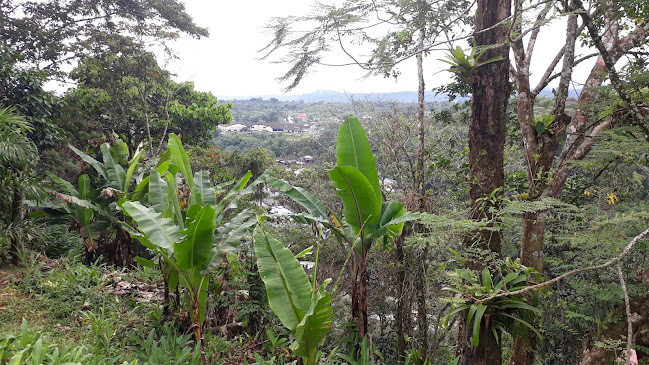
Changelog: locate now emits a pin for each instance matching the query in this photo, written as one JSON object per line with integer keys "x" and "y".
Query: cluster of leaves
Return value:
{"x": 465, "y": 64}
{"x": 486, "y": 299}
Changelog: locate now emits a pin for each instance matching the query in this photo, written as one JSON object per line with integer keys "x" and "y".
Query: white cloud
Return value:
{"x": 227, "y": 62}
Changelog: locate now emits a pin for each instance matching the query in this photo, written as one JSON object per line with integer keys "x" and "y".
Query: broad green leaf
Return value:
{"x": 158, "y": 192}
{"x": 300, "y": 196}
{"x": 525, "y": 323}
{"x": 508, "y": 278}
{"x": 123, "y": 147}
{"x": 317, "y": 322}
{"x": 220, "y": 188}
{"x": 94, "y": 163}
{"x": 172, "y": 277}
{"x": 84, "y": 186}
{"x": 353, "y": 149}
{"x": 304, "y": 252}
{"x": 475, "y": 338}
{"x": 230, "y": 235}
{"x": 163, "y": 167}
{"x": 287, "y": 285}
{"x": 486, "y": 278}
{"x": 395, "y": 225}
{"x": 520, "y": 305}
{"x": 140, "y": 190}
{"x": 180, "y": 158}
{"x": 205, "y": 193}
{"x": 63, "y": 183}
{"x": 472, "y": 309}
{"x": 195, "y": 248}
{"x": 143, "y": 262}
{"x": 84, "y": 213}
{"x": 131, "y": 169}
{"x": 115, "y": 171}
{"x": 160, "y": 231}
{"x": 173, "y": 205}
{"x": 390, "y": 211}
{"x": 16, "y": 359}
{"x": 37, "y": 354}
{"x": 360, "y": 205}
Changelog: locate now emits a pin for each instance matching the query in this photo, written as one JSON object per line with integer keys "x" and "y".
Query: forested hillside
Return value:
{"x": 506, "y": 221}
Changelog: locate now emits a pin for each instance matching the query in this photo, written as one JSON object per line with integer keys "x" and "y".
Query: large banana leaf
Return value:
{"x": 173, "y": 205}
{"x": 317, "y": 322}
{"x": 131, "y": 169}
{"x": 115, "y": 171}
{"x": 300, "y": 196}
{"x": 158, "y": 192}
{"x": 205, "y": 193}
{"x": 229, "y": 236}
{"x": 160, "y": 231}
{"x": 195, "y": 248}
{"x": 141, "y": 189}
{"x": 84, "y": 214}
{"x": 91, "y": 161}
{"x": 121, "y": 148}
{"x": 353, "y": 149}
{"x": 360, "y": 205}
{"x": 180, "y": 158}
{"x": 287, "y": 285}
{"x": 63, "y": 183}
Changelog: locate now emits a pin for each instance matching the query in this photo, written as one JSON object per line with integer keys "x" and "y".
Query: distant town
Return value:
{"x": 294, "y": 123}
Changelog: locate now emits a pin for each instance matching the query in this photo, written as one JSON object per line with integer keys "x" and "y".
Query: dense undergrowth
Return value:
{"x": 61, "y": 311}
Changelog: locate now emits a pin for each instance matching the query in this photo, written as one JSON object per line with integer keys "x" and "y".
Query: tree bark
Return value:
{"x": 490, "y": 91}
{"x": 17, "y": 221}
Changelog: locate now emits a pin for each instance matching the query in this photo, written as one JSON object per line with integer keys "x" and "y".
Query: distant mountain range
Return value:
{"x": 328, "y": 96}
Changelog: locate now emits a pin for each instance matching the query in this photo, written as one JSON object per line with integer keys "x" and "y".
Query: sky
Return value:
{"x": 227, "y": 63}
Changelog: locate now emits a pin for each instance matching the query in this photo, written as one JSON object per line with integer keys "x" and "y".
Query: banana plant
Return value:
{"x": 366, "y": 217}
{"x": 305, "y": 310}
{"x": 116, "y": 170}
{"x": 91, "y": 208}
{"x": 187, "y": 231}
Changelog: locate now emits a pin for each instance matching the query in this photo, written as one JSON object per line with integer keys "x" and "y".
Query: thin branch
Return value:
{"x": 544, "y": 284}
{"x": 545, "y": 81}
{"x": 629, "y": 323}
{"x": 609, "y": 61}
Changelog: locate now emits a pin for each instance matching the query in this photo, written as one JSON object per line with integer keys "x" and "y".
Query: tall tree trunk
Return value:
{"x": 490, "y": 91}
{"x": 540, "y": 151}
{"x": 422, "y": 264}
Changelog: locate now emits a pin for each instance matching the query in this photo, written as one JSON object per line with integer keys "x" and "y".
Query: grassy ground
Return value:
{"x": 64, "y": 311}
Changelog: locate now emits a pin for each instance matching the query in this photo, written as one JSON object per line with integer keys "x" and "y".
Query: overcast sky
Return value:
{"x": 227, "y": 62}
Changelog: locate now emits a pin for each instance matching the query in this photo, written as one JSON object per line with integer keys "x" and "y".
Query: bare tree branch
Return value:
{"x": 544, "y": 284}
